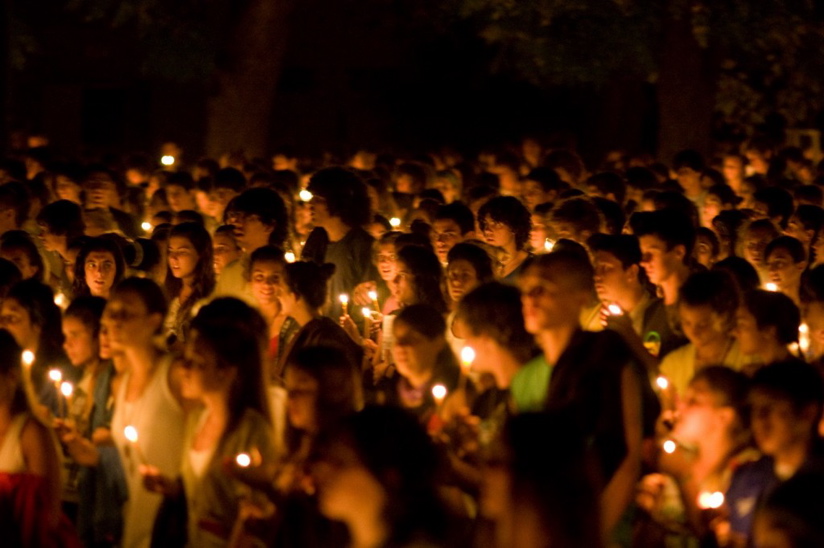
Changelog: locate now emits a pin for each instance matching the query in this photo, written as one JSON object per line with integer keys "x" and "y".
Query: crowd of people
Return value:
{"x": 509, "y": 350}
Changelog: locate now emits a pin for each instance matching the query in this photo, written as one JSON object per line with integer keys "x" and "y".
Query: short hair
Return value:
{"x": 22, "y": 241}
{"x": 265, "y": 254}
{"x": 779, "y": 203}
{"x": 580, "y": 212}
{"x": 676, "y": 201}
{"x": 573, "y": 266}
{"x": 459, "y": 213}
{"x": 494, "y": 310}
{"x": 62, "y": 218}
{"x": 641, "y": 178}
{"x": 566, "y": 160}
{"x": 546, "y": 177}
{"x": 345, "y": 194}
{"x": 147, "y": 291}
{"x": 791, "y": 245}
{"x": 713, "y": 288}
{"x": 426, "y": 268}
{"x": 474, "y": 255}
{"x": 415, "y": 171}
{"x": 608, "y": 182}
{"x": 309, "y": 280}
{"x": 424, "y": 319}
{"x": 268, "y": 206}
{"x": 613, "y": 214}
{"x": 774, "y": 309}
{"x": 689, "y": 158}
{"x": 88, "y": 310}
{"x": 511, "y": 212}
{"x": 181, "y": 179}
{"x": 810, "y": 217}
{"x": 230, "y": 178}
{"x": 188, "y": 216}
{"x": 669, "y": 226}
{"x": 624, "y": 247}
{"x": 744, "y": 274}
{"x": 791, "y": 380}
{"x": 711, "y": 236}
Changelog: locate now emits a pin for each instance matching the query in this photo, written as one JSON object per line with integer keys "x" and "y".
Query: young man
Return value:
{"x": 453, "y": 224}
{"x": 689, "y": 167}
{"x": 576, "y": 219}
{"x": 786, "y": 400}
{"x": 589, "y": 373}
{"x": 340, "y": 208}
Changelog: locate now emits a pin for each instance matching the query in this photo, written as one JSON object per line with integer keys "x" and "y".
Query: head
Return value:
{"x": 453, "y": 223}
{"x": 134, "y": 314}
{"x": 60, "y": 222}
{"x": 576, "y": 219}
{"x": 103, "y": 189}
{"x": 688, "y": 166}
{"x": 785, "y": 259}
{"x": 225, "y": 248}
{"x": 754, "y": 241}
{"x": 666, "y": 239}
{"x": 554, "y": 289}
{"x": 468, "y": 266}
{"x": 259, "y": 217}
{"x": 419, "y": 278}
{"x": 708, "y": 302}
{"x": 190, "y": 261}
{"x": 505, "y": 222}
{"x": 766, "y": 320}
{"x": 264, "y": 274}
{"x": 541, "y": 185}
{"x": 304, "y": 283}
{"x": 385, "y": 257}
{"x": 81, "y": 330}
{"x": 18, "y": 247}
{"x": 775, "y": 204}
{"x": 98, "y": 268}
{"x": 719, "y": 198}
{"x": 616, "y": 260}
{"x": 338, "y": 193}
{"x": 30, "y": 315}
{"x": 707, "y": 247}
{"x": 715, "y": 404}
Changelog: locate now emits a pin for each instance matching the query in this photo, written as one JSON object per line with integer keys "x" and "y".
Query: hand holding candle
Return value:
{"x": 66, "y": 389}
{"x": 373, "y": 296}
{"x": 28, "y": 358}
{"x": 344, "y": 302}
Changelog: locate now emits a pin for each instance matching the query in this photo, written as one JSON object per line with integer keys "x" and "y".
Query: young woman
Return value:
{"x": 766, "y": 324}
{"x": 99, "y": 267}
{"x": 148, "y": 400}
{"x": 224, "y": 374}
{"x": 190, "y": 277}
{"x": 30, "y": 315}
{"x": 265, "y": 270}
{"x": 419, "y": 278}
{"x": 468, "y": 266}
{"x": 226, "y": 248}
{"x": 29, "y": 465}
{"x": 506, "y": 224}
{"x": 302, "y": 293}
{"x": 376, "y": 474}
{"x": 384, "y": 255}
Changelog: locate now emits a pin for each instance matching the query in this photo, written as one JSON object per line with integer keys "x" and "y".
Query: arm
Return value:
{"x": 620, "y": 491}
{"x": 40, "y": 455}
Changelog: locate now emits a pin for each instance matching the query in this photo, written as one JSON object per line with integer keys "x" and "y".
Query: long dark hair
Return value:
{"x": 10, "y": 364}
{"x": 204, "y": 274}
{"x": 428, "y": 273}
{"x": 236, "y": 333}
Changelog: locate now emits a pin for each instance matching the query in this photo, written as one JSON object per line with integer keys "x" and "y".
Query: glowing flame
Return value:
{"x": 707, "y": 500}
{"x": 669, "y": 446}
{"x": 366, "y": 311}
{"x": 130, "y": 432}
{"x": 243, "y": 460}
{"x": 167, "y": 160}
{"x": 344, "y": 298}
{"x": 289, "y": 256}
{"x": 770, "y": 286}
{"x": 55, "y": 375}
{"x": 395, "y": 222}
{"x": 61, "y": 300}
{"x": 439, "y": 393}
{"x": 662, "y": 382}
{"x": 373, "y": 295}
{"x": 305, "y": 195}
{"x": 615, "y": 310}
{"x": 28, "y": 358}
{"x": 66, "y": 389}
{"x": 467, "y": 355}
{"x": 146, "y": 226}
{"x": 548, "y": 245}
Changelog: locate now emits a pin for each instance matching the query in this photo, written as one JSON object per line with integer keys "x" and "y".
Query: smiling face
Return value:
{"x": 265, "y": 278}
{"x": 100, "y": 268}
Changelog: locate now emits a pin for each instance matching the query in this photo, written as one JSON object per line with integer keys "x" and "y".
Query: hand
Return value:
{"x": 102, "y": 436}
{"x": 66, "y": 430}
{"x": 351, "y": 328}
{"x": 156, "y": 482}
{"x": 360, "y": 296}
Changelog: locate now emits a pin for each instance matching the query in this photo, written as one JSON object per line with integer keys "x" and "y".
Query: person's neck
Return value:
{"x": 217, "y": 411}
{"x": 774, "y": 352}
{"x": 789, "y": 459}
{"x": 336, "y": 229}
{"x": 417, "y": 379}
{"x": 367, "y": 529}
{"x": 302, "y": 314}
{"x": 714, "y": 351}
{"x": 507, "y": 366}
{"x": 629, "y": 298}
{"x": 142, "y": 360}
{"x": 269, "y": 311}
{"x": 516, "y": 257}
{"x": 554, "y": 341}
{"x": 673, "y": 283}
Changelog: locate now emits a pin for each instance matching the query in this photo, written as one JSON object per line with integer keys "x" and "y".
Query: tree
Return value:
{"x": 740, "y": 59}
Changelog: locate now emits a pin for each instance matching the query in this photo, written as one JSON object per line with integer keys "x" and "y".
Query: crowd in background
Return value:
{"x": 511, "y": 349}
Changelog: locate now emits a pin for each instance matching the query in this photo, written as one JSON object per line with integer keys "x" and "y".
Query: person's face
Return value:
{"x": 17, "y": 321}
{"x": 225, "y": 251}
{"x": 549, "y": 302}
{"x": 776, "y": 425}
{"x": 534, "y": 194}
{"x": 783, "y": 270}
{"x": 461, "y": 278}
{"x": 250, "y": 230}
{"x": 498, "y": 234}
{"x": 698, "y": 413}
{"x": 179, "y": 198}
{"x": 539, "y": 233}
{"x": 733, "y": 169}
{"x": 303, "y": 219}
{"x": 445, "y": 234}
{"x": 611, "y": 280}
{"x": 51, "y": 241}
{"x": 204, "y": 202}
{"x": 755, "y": 242}
{"x": 387, "y": 263}
{"x": 302, "y": 394}
{"x": 413, "y": 352}
{"x": 405, "y": 184}
{"x": 288, "y": 300}
{"x": 404, "y": 284}
{"x": 657, "y": 261}
{"x": 712, "y": 208}
{"x": 265, "y": 277}
{"x": 66, "y": 189}
{"x": 201, "y": 375}
{"x": 703, "y": 251}
{"x": 346, "y": 489}
{"x": 797, "y": 231}
{"x": 80, "y": 343}
{"x": 701, "y": 325}
{"x": 447, "y": 188}
{"x": 320, "y": 211}
{"x": 750, "y": 339}
{"x": 101, "y": 191}
{"x": 21, "y": 259}
{"x": 129, "y": 323}
{"x": 100, "y": 270}
{"x": 182, "y": 257}
{"x": 688, "y": 178}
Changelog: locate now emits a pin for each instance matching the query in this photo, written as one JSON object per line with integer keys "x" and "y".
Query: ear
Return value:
{"x": 632, "y": 273}
{"x": 680, "y": 251}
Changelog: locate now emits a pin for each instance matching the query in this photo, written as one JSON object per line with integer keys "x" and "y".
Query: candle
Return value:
{"x": 670, "y": 446}
{"x": 146, "y": 226}
{"x": 467, "y": 357}
{"x": 289, "y": 256}
{"x": 61, "y": 301}
{"x": 56, "y": 377}
{"x": 28, "y": 358}
{"x": 67, "y": 390}
{"x": 130, "y": 432}
{"x": 803, "y": 338}
{"x": 305, "y": 195}
{"x": 614, "y": 310}
{"x": 243, "y": 460}
{"x": 439, "y": 393}
{"x": 662, "y": 382}
{"x": 770, "y": 286}
{"x": 548, "y": 245}
{"x": 167, "y": 160}
{"x": 367, "y": 321}
{"x": 373, "y": 296}
{"x": 344, "y": 301}
{"x": 710, "y": 500}
{"x": 394, "y": 222}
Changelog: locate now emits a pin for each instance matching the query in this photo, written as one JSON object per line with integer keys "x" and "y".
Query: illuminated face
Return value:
{"x": 497, "y": 233}
{"x": 712, "y": 208}
{"x": 226, "y": 251}
{"x": 775, "y": 424}
{"x": 201, "y": 375}
{"x": 611, "y": 280}
{"x": 404, "y": 285}
{"x": 750, "y": 338}
{"x": 66, "y": 189}
{"x": 755, "y": 242}
{"x": 814, "y": 316}
{"x": 461, "y": 279}
{"x": 100, "y": 268}
{"x": 548, "y": 302}
{"x": 657, "y": 261}
{"x": 182, "y": 257}
{"x": 445, "y": 234}
{"x": 688, "y": 178}
{"x": 51, "y": 241}
{"x": 320, "y": 211}
{"x": 80, "y": 343}
{"x": 17, "y": 321}
{"x": 534, "y": 195}
{"x": 264, "y": 280}
{"x": 128, "y": 322}
{"x": 697, "y": 413}
{"x": 387, "y": 262}
{"x": 414, "y": 353}
{"x": 539, "y": 233}
{"x": 783, "y": 270}
{"x": 702, "y": 325}
{"x": 250, "y": 231}
{"x": 345, "y": 487}
{"x": 733, "y": 169}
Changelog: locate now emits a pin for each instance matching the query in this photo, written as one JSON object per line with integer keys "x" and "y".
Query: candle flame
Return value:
{"x": 130, "y": 432}
{"x": 305, "y": 195}
{"x": 770, "y": 286}
{"x": 395, "y": 222}
{"x": 669, "y": 446}
{"x": 289, "y": 256}
{"x": 167, "y": 160}
{"x": 373, "y": 295}
{"x": 28, "y": 358}
{"x": 615, "y": 310}
{"x": 344, "y": 298}
{"x": 707, "y": 500}
{"x": 66, "y": 389}
{"x": 55, "y": 375}
{"x": 467, "y": 355}
{"x": 243, "y": 460}
{"x": 662, "y": 382}
{"x": 439, "y": 392}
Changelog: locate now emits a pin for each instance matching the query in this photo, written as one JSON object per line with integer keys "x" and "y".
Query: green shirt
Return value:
{"x": 530, "y": 385}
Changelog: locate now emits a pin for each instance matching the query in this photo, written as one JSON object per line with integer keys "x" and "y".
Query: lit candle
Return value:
{"x": 373, "y": 296}
{"x": 662, "y": 382}
{"x": 61, "y": 301}
{"x": 394, "y": 222}
{"x": 710, "y": 500}
{"x": 28, "y": 359}
{"x": 289, "y": 256}
{"x": 130, "y": 432}
{"x": 305, "y": 195}
{"x": 167, "y": 160}
{"x": 670, "y": 446}
{"x": 146, "y": 226}
{"x": 467, "y": 357}
{"x": 770, "y": 286}
{"x": 56, "y": 377}
{"x": 243, "y": 460}
{"x": 548, "y": 245}
{"x": 439, "y": 393}
{"x": 367, "y": 321}
{"x": 67, "y": 390}
{"x": 344, "y": 301}
{"x": 614, "y": 310}
{"x": 803, "y": 338}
